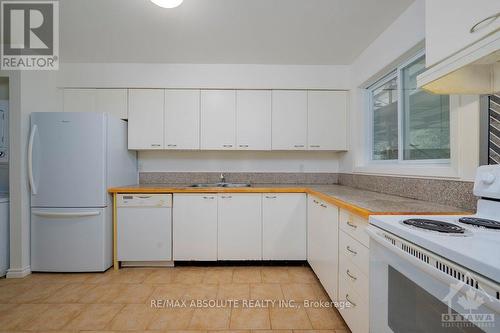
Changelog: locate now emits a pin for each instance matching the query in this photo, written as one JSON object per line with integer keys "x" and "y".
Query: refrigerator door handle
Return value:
{"x": 63, "y": 215}
{"x": 30, "y": 159}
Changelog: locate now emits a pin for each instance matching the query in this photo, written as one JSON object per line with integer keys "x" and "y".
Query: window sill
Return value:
{"x": 434, "y": 170}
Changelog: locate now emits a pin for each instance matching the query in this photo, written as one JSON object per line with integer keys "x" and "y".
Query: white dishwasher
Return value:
{"x": 144, "y": 229}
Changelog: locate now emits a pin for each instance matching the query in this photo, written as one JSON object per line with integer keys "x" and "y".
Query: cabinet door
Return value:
{"x": 313, "y": 234}
{"x": 284, "y": 226}
{"x": 240, "y": 227}
{"x": 182, "y": 119}
{"x": 145, "y": 118}
{"x": 289, "y": 120}
{"x": 253, "y": 119}
{"x": 112, "y": 101}
{"x": 448, "y": 25}
{"x": 218, "y": 119}
{"x": 79, "y": 100}
{"x": 195, "y": 227}
{"x": 327, "y": 120}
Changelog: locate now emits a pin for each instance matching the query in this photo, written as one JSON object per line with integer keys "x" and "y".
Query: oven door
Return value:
{"x": 409, "y": 295}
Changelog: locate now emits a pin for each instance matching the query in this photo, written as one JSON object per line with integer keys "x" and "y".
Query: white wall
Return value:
{"x": 402, "y": 38}
{"x": 154, "y": 161}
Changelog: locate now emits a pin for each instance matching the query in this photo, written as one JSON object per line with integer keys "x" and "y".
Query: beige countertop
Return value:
{"x": 360, "y": 202}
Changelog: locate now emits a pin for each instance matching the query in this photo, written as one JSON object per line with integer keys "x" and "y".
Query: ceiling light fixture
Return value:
{"x": 167, "y": 3}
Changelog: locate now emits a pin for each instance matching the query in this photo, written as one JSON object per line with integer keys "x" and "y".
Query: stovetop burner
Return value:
{"x": 485, "y": 223}
{"x": 439, "y": 226}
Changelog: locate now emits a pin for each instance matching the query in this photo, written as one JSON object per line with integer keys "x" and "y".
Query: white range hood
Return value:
{"x": 474, "y": 70}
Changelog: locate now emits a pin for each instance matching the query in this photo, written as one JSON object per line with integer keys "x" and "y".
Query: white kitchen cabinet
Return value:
{"x": 448, "y": 25}
{"x": 327, "y": 120}
{"x": 322, "y": 253}
{"x": 79, "y": 100}
{"x": 240, "y": 226}
{"x": 195, "y": 227}
{"x": 218, "y": 119}
{"x": 284, "y": 226}
{"x": 289, "y": 120}
{"x": 145, "y": 114}
{"x": 182, "y": 119}
{"x": 112, "y": 101}
{"x": 253, "y": 119}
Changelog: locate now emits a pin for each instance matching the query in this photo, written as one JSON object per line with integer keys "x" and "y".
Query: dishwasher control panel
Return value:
{"x": 144, "y": 200}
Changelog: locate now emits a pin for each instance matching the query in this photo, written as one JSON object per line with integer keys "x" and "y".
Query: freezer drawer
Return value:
{"x": 144, "y": 228}
{"x": 71, "y": 239}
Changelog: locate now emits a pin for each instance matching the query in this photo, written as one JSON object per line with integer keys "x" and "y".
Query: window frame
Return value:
{"x": 397, "y": 72}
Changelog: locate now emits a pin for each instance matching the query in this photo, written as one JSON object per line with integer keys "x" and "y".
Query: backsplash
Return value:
{"x": 446, "y": 192}
{"x": 238, "y": 177}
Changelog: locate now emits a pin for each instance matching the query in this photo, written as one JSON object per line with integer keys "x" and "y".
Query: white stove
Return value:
{"x": 450, "y": 264}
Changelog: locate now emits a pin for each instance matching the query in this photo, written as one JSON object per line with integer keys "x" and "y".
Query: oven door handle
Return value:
{"x": 489, "y": 301}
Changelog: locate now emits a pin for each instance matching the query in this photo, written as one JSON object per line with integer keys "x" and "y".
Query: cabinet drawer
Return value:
{"x": 357, "y": 315}
{"x": 353, "y": 275}
{"x": 354, "y": 251}
{"x": 355, "y": 227}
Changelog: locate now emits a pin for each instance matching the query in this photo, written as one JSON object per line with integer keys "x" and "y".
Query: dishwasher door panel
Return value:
{"x": 144, "y": 234}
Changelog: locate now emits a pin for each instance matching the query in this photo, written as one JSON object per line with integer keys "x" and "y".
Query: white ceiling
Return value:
{"x": 306, "y": 32}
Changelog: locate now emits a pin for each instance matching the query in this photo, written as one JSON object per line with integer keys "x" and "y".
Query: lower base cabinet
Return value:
{"x": 354, "y": 271}
{"x": 195, "y": 227}
{"x": 240, "y": 226}
{"x": 284, "y": 223}
{"x": 322, "y": 253}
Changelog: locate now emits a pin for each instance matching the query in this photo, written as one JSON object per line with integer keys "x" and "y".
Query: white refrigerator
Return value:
{"x": 73, "y": 158}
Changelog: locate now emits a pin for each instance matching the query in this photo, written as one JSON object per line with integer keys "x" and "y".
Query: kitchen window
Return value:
{"x": 407, "y": 123}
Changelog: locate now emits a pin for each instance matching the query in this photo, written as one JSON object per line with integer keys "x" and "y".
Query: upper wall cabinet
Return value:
{"x": 449, "y": 31}
{"x": 462, "y": 40}
{"x": 145, "y": 114}
{"x": 218, "y": 119}
{"x": 182, "y": 119}
{"x": 113, "y": 101}
{"x": 289, "y": 120}
{"x": 253, "y": 119}
{"x": 327, "y": 120}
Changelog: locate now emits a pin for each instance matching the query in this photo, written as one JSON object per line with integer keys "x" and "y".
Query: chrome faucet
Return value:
{"x": 222, "y": 178}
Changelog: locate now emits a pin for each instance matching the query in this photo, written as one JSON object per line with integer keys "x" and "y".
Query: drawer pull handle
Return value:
{"x": 323, "y": 205}
{"x": 476, "y": 27}
{"x": 226, "y": 197}
{"x": 351, "y": 250}
{"x": 352, "y": 225}
{"x": 211, "y": 198}
{"x": 316, "y": 202}
{"x": 227, "y": 146}
{"x": 171, "y": 145}
{"x": 299, "y": 146}
{"x": 155, "y": 145}
{"x": 315, "y": 146}
{"x": 351, "y": 276}
{"x": 347, "y": 298}
{"x": 270, "y": 197}
{"x": 244, "y": 146}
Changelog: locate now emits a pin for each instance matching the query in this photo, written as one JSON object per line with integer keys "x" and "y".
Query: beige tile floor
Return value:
{"x": 121, "y": 301}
